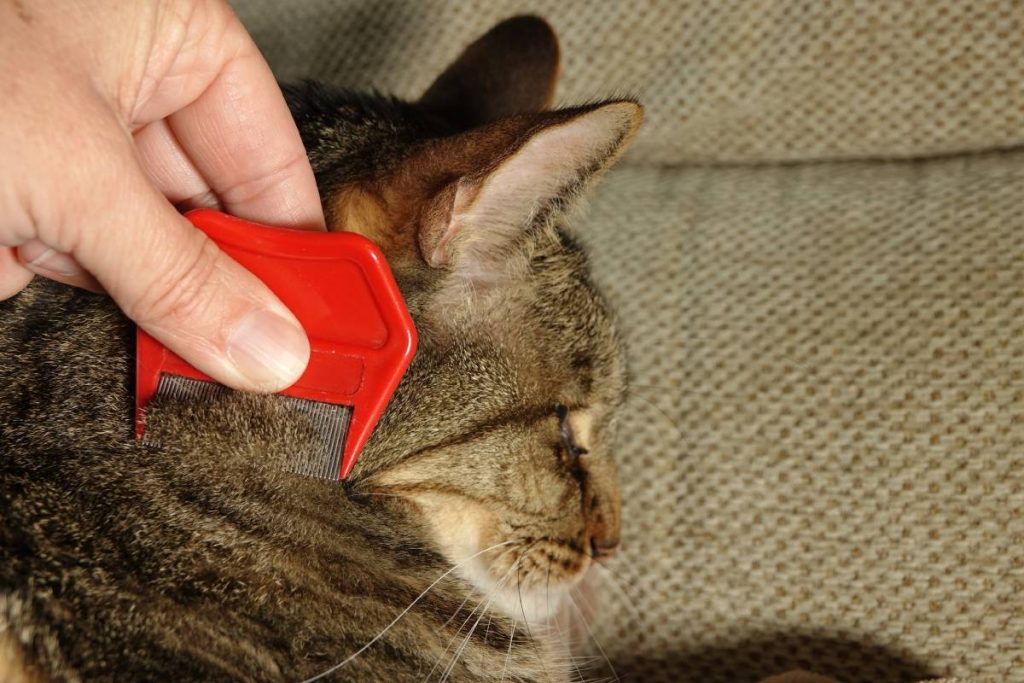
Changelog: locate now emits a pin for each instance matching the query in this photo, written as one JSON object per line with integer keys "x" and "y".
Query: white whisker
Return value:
{"x": 614, "y": 580}
{"x": 511, "y": 638}
{"x": 479, "y": 605}
{"x": 522, "y": 609}
{"x": 462, "y": 647}
{"x": 665, "y": 416}
{"x": 455, "y": 635}
{"x": 600, "y": 649}
{"x": 562, "y": 636}
{"x": 402, "y": 614}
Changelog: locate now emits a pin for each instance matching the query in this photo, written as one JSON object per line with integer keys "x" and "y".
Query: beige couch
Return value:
{"x": 817, "y": 250}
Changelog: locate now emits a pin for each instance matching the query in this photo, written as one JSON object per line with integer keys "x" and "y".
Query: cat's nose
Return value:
{"x": 603, "y": 548}
{"x": 602, "y": 510}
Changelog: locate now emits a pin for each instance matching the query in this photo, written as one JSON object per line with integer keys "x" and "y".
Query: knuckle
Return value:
{"x": 181, "y": 292}
{"x": 264, "y": 183}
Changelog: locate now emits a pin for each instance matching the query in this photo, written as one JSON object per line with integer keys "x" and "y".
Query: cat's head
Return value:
{"x": 501, "y": 430}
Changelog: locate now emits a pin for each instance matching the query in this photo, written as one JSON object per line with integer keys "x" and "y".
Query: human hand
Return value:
{"x": 111, "y": 114}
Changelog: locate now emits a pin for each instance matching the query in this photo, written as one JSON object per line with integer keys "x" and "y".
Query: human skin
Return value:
{"x": 115, "y": 115}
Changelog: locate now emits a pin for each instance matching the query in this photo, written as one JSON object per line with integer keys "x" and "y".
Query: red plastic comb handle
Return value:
{"x": 341, "y": 290}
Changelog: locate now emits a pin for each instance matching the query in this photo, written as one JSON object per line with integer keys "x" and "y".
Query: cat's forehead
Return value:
{"x": 350, "y": 135}
{"x": 576, "y": 351}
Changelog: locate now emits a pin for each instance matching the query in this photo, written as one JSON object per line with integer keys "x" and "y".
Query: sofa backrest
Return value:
{"x": 723, "y": 80}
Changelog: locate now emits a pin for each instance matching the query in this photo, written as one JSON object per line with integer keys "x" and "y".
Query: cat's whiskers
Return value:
{"x": 619, "y": 584}
{"x": 499, "y": 586}
{"x": 487, "y": 631}
{"x": 519, "y": 586}
{"x": 572, "y": 600}
{"x": 454, "y": 636}
{"x": 483, "y": 610}
{"x": 405, "y": 611}
{"x": 508, "y": 655}
{"x": 470, "y": 595}
{"x": 480, "y": 605}
{"x": 522, "y": 609}
{"x": 575, "y": 662}
{"x": 564, "y": 638}
{"x": 661, "y": 411}
{"x": 458, "y": 609}
{"x": 511, "y": 639}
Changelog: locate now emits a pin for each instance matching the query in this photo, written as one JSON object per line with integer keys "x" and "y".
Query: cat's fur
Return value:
{"x": 206, "y": 560}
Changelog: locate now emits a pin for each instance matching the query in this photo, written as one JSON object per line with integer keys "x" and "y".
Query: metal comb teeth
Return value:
{"x": 330, "y": 421}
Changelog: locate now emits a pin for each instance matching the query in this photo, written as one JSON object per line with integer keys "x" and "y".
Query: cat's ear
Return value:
{"x": 474, "y": 221}
{"x": 511, "y": 70}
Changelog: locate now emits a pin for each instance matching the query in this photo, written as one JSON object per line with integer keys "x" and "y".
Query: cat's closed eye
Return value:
{"x": 569, "y": 449}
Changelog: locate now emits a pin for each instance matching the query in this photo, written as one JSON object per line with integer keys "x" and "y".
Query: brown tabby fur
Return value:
{"x": 206, "y": 560}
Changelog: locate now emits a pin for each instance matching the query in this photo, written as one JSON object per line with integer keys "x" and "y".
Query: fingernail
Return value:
{"x": 268, "y": 350}
{"x": 49, "y": 260}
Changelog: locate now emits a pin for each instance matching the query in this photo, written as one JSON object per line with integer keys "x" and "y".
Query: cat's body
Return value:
{"x": 473, "y": 510}
{"x": 210, "y": 560}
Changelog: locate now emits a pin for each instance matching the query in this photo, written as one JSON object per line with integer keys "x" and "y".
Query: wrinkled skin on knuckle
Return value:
{"x": 190, "y": 43}
{"x": 182, "y": 291}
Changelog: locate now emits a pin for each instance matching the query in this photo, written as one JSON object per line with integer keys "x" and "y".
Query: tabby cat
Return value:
{"x": 484, "y": 495}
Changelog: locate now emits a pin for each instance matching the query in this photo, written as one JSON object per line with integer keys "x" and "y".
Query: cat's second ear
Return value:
{"x": 512, "y": 69}
{"x": 472, "y": 225}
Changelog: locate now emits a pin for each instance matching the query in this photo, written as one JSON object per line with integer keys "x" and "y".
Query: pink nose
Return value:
{"x": 603, "y": 548}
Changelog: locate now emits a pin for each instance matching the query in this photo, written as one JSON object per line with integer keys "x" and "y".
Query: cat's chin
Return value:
{"x": 525, "y": 580}
{"x": 516, "y": 598}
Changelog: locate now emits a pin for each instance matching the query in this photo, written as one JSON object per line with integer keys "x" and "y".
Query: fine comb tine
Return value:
{"x": 361, "y": 336}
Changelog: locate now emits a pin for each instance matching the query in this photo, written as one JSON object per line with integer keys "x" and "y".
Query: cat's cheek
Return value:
{"x": 470, "y": 537}
{"x": 463, "y": 530}
{"x": 13, "y": 668}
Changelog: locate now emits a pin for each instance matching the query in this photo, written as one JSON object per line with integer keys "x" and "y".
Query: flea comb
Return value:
{"x": 361, "y": 336}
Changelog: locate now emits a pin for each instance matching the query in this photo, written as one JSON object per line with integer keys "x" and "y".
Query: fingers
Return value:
{"x": 78, "y": 205}
{"x": 14, "y": 277}
{"x": 170, "y": 169}
{"x": 240, "y": 137}
{"x": 233, "y": 147}
{"x": 178, "y": 286}
{"x": 46, "y": 261}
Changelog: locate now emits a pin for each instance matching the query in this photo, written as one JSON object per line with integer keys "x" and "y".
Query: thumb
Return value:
{"x": 178, "y": 286}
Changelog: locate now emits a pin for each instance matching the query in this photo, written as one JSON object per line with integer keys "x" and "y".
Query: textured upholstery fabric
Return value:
{"x": 823, "y": 457}
{"x": 733, "y": 80}
{"x": 822, "y": 464}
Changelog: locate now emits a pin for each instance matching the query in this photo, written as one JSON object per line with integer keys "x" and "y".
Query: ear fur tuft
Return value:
{"x": 476, "y": 220}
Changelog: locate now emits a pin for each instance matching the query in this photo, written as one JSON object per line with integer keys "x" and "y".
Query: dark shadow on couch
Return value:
{"x": 749, "y": 661}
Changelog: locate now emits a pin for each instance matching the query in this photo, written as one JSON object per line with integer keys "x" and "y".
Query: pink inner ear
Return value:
{"x": 480, "y": 219}
{"x": 441, "y": 225}
{"x": 465, "y": 193}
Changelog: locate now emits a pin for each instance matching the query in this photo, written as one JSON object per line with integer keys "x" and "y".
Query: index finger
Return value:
{"x": 240, "y": 136}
